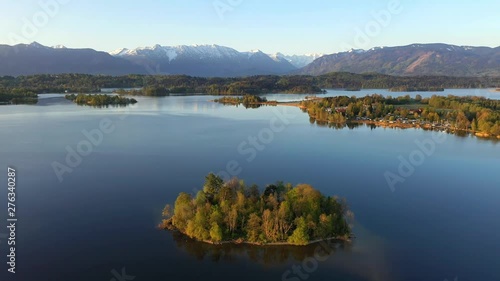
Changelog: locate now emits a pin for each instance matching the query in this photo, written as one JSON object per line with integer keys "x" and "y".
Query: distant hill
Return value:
{"x": 416, "y": 59}
{"x": 38, "y": 59}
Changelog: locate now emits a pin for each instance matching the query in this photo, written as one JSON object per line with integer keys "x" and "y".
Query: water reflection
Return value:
{"x": 265, "y": 255}
{"x": 339, "y": 126}
{"x": 353, "y": 125}
{"x": 365, "y": 258}
{"x": 246, "y": 105}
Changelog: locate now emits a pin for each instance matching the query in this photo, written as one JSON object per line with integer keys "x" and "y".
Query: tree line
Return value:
{"x": 471, "y": 113}
{"x": 159, "y": 85}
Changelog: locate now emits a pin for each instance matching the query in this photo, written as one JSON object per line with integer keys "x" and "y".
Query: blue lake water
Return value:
{"x": 100, "y": 220}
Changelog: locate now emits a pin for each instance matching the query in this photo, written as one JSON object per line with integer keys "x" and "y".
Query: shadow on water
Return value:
{"x": 365, "y": 258}
{"x": 265, "y": 255}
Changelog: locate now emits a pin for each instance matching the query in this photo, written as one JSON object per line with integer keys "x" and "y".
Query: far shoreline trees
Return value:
{"x": 161, "y": 85}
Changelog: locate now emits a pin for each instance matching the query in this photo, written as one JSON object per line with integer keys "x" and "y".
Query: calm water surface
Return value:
{"x": 440, "y": 223}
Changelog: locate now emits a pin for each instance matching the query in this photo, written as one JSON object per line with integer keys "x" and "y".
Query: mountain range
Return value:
{"x": 209, "y": 51}
{"x": 415, "y": 59}
{"x": 220, "y": 61}
{"x": 196, "y": 60}
{"x": 204, "y": 60}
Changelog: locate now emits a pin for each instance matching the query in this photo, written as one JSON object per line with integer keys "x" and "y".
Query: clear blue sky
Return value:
{"x": 288, "y": 26}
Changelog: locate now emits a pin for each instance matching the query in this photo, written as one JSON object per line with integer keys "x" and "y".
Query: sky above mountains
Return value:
{"x": 290, "y": 27}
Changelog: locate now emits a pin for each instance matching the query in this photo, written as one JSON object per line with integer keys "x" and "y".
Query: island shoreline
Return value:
{"x": 167, "y": 225}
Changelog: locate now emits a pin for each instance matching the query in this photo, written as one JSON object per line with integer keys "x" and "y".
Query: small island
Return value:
{"x": 231, "y": 212}
{"x": 406, "y": 88}
{"x": 248, "y": 101}
{"x": 16, "y": 96}
{"x": 100, "y": 100}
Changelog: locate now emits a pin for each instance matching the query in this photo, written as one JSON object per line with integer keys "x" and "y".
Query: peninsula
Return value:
{"x": 231, "y": 212}
{"x": 476, "y": 115}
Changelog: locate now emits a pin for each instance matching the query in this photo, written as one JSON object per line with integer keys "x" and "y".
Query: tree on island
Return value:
{"x": 282, "y": 213}
{"x": 99, "y": 100}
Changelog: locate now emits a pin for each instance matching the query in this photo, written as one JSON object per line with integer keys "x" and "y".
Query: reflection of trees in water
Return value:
{"x": 352, "y": 126}
{"x": 268, "y": 255}
{"x": 252, "y": 106}
{"x": 365, "y": 257}
{"x": 338, "y": 126}
{"x": 247, "y": 106}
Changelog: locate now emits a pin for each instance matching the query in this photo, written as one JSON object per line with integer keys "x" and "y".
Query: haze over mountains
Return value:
{"x": 214, "y": 60}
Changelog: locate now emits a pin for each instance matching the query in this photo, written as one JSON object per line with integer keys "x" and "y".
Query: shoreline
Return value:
{"x": 237, "y": 242}
{"x": 167, "y": 225}
{"x": 383, "y": 124}
{"x": 427, "y": 127}
{"x": 399, "y": 125}
{"x": 270, "y": 103}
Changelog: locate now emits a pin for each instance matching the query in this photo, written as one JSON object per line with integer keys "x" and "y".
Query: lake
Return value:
{"x": 98, "y": 222}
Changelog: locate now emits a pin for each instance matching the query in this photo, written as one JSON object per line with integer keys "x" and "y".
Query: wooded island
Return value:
{"x": 99, "y": 100}
{"x": 231, "y": 212}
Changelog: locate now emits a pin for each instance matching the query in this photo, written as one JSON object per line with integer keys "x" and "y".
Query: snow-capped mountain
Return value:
{"x": 36, "y": 45}
{"x": 195, "y": 51}
{"x": 59, "y": 47}
{"x": 204, "y": 60}
{"x": 298, "y": 61}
